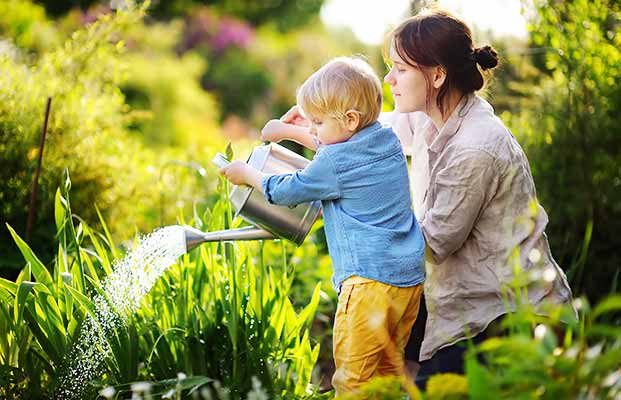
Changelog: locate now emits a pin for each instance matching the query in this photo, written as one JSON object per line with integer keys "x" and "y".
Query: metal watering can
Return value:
{"x": 269, "y": 221}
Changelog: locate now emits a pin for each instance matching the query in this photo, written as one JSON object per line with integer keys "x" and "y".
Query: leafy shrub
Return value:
{"x": 571, "y": 134}
{"x": 219, "y": 314}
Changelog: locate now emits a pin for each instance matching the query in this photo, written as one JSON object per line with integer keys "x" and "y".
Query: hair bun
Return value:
{"x": 486, "y": 57}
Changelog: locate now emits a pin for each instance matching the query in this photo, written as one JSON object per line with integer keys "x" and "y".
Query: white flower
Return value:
{"x": 534, "y": 256}
{"x": 612, "y": 379}
{"x": 540, "y": 331}
{"x": 107, "y": 392}
{"x": 549, "y": 275}
{"x": 120, "y": 4}
{"x": 141, "y": 387}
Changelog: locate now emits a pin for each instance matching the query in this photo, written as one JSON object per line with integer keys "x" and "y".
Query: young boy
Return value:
{"x": 360, "y": 174}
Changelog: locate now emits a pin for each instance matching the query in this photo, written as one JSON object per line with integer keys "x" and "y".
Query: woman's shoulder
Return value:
{"x": 482, "y": 129}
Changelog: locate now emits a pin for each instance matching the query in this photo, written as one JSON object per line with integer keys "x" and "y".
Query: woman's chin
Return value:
{"x": 401, "y": 108}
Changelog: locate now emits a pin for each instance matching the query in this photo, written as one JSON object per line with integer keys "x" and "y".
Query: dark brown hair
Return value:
{"x": 435, "y": 37}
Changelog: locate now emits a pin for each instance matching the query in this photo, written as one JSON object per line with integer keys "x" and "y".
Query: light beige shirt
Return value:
{"x": 475, "y": 199}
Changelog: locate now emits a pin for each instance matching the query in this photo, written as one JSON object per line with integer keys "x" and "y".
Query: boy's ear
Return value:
{"x": 438, "y": 77}
{"x": 352, "y": 120}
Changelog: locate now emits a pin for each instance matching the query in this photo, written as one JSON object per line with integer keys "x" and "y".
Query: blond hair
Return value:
{"x": 343, "y": 84}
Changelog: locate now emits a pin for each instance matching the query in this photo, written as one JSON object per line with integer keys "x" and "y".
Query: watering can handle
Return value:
{"x": 220, "y": 160}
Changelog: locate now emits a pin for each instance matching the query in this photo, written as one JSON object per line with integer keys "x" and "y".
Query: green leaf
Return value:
{"x": 229, "y": 152}
{"x": 39, "y": 271}
{"x": 111, "y": 246}
{"x": 478, "y": 382}
{"x": 612, "y": 303}
{"x": 82, "y": 300}
{"x": 60, "y": 209}
{"x": 11, "y": 287}
{"x": 23, "y": 291}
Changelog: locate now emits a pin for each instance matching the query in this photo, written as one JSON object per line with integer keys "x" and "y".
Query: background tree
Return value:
{"x": 572, "y": 135}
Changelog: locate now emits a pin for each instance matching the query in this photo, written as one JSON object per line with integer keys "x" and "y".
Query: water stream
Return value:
{"x": 132, "y": 278}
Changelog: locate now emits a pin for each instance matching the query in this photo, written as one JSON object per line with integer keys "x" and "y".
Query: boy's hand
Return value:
{"x": 236, "y": 172}
{"x": 294, "y": 116}
{"x": 274, "y": 131}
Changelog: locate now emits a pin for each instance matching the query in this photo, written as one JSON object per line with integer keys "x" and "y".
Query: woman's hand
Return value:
{"x": 294, "y": 116}
{"x": 274, "y": 131}
{"x": 236, "y": 172}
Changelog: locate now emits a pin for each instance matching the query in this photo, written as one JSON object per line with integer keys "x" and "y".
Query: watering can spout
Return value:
{"x": 195, "y": 237}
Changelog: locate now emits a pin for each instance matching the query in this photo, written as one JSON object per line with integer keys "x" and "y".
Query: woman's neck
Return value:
{"x": 451, "y": 101}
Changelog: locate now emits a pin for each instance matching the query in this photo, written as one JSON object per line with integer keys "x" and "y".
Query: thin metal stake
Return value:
{"x": 35, "y": 182}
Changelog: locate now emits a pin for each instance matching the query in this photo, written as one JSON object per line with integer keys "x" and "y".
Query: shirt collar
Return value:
{"x": 366, "y": 131}
{"x": 438, "y": 139}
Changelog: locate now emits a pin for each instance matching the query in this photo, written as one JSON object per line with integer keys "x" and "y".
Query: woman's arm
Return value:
{"x": 459, "y": 191}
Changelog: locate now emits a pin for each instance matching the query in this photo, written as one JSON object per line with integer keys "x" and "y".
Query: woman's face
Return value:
{"x": 407, "y": 84}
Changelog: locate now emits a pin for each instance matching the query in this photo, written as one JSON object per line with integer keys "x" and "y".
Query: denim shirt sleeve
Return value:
{"x": 317, "y": 181}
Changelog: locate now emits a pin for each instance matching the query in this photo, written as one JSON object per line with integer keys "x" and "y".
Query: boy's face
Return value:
{"x": 329, "y": 130}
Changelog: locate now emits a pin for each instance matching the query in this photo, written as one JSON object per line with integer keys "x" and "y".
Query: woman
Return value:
{"x": 474, "y": 194}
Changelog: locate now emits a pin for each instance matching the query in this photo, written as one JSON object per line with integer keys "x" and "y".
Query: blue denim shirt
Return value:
{"x": 364, "y": 189}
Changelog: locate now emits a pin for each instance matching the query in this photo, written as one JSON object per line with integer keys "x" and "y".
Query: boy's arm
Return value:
{"x": 315, "y": 182}
{"x": 276, "y": 130}
{"x": 240, "y": 173}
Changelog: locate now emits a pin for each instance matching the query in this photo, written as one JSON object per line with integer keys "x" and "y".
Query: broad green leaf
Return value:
{"x": 23, "y": 291}
{"x": 82, "y": 300}
{"x": 11, "y": 287}
{"x": 39, "y": 271}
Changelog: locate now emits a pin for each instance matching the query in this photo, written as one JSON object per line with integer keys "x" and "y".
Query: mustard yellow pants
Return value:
{"x": 371, "y": 328}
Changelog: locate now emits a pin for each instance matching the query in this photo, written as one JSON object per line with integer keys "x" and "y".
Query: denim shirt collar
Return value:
{"x": 358, "y": 136}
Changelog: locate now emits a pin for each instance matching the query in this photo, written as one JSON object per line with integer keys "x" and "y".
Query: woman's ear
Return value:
{"x": 438, "y": 77}
{"x": 352, "y": 120}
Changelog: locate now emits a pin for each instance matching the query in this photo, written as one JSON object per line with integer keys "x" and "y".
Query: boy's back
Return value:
{"x": 369, "y": 223}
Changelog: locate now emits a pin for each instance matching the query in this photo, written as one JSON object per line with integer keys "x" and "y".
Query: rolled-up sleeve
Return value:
{"x": 460, "y": 189}
{"x": 318, "y": 181}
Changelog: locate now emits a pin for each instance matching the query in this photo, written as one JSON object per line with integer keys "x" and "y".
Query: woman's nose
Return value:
{"x": 388, "y": 78}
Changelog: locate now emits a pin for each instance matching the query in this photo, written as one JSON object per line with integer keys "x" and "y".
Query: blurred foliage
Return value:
{"x": 551, "y": 357}
{"x": 26, "y": 25}
{"x": 286, "y": 15}
{"x": 570, "y": 130}
{"x": 90, "y": 129}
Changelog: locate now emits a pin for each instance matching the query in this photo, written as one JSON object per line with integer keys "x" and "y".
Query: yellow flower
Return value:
{"x": 384, "y": 388}
{"x": 447, "y": 387}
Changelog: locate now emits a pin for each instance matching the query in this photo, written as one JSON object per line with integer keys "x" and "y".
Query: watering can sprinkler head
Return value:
{"x": 195, "y": 237}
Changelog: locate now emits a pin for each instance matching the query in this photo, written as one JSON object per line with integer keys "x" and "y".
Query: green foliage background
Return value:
{"x": 143, "y": 98}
